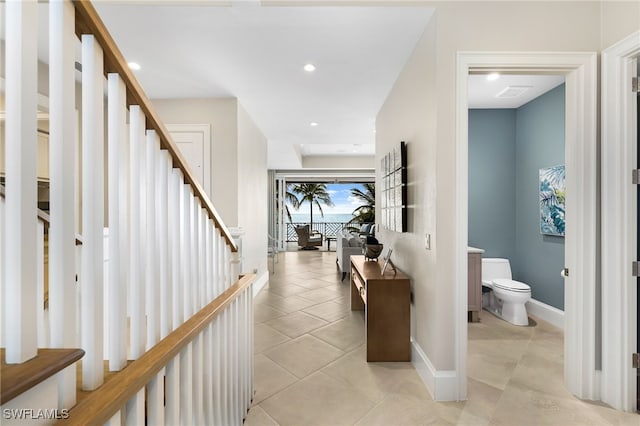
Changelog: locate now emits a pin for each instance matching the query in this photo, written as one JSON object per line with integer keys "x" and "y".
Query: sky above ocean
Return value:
{"x": 344, "y": 203}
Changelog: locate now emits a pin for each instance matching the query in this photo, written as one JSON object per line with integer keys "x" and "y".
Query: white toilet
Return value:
{"x": 507, "y": 297}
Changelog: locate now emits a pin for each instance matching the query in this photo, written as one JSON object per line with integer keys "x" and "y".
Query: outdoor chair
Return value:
{"x": 306, "y": 240}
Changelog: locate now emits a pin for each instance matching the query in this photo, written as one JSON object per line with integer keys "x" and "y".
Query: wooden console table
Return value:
{"x": 386, "y": 301}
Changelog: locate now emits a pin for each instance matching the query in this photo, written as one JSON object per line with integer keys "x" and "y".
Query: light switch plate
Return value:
{"x": 427, "y": 241}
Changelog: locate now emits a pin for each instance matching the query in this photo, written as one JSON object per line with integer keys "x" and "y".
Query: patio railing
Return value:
{"x": 325, "y": 228}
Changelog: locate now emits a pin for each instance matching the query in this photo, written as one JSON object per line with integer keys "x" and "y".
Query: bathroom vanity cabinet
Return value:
{"x": 474, "y": 262}
{"x": 386, "y": 301}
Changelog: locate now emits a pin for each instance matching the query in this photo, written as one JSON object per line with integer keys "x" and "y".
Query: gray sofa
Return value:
{"x": 347, "y": 244}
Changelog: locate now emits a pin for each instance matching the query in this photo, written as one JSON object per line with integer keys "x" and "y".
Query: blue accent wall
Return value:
{"x": 492, "y": 184}
{"x": 507, "y": 147}
{"x": 539, "y": 144}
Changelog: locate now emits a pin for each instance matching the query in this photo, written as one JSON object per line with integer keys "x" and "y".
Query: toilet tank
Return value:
{"x": 495, "y": 268}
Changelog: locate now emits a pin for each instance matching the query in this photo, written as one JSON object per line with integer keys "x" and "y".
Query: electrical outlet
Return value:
{"x": 427, "y": 241}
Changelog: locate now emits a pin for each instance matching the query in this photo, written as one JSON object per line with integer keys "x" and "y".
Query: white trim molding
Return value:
{"x": 580, "y": 71}
{"x": 546, "y": 312}
{"x": 619, "y": 229}
{"x": 442, "y": 385}
{"x": 260, "y": 282}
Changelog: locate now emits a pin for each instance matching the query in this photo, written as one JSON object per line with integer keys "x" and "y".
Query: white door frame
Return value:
{"x": 619, "y": 205}
{"x": 580, "y": 70}
{"x": 280, "y": 211}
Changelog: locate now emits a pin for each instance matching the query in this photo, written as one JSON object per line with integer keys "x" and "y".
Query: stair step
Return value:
{"x": 19, "y": 378}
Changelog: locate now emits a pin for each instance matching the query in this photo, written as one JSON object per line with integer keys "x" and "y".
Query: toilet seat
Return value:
{"x": 511, "y": 285}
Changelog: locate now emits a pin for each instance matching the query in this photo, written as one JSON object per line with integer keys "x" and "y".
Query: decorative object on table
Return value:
{"x": 372, "y": 248}
{"x": 394, "y": 189}
{"x": 387, "y": 261}
{"x": 552, "y": 201}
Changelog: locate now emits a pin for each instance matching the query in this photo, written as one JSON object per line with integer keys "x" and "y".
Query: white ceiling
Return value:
{"x": 257, "y": 53}
{"x": 482, "y": 92}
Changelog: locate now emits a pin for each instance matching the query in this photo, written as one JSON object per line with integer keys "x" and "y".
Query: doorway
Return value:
{"x": 581, "y": 169}
{"x": 516, "y": 135}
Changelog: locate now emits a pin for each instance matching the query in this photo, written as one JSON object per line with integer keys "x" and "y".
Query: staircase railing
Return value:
{"x": 158, "y": 280}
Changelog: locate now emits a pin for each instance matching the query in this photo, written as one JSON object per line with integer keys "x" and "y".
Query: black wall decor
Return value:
{"x": 394, "y": 189}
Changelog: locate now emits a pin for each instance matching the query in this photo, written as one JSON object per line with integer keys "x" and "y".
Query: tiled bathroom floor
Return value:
{"x": 310, "y": 366}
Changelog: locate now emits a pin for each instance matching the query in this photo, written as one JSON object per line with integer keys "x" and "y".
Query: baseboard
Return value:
{"x": 442, "y": 385}
{"x": 546, "y": 312}
{"x": 260, "y": 282}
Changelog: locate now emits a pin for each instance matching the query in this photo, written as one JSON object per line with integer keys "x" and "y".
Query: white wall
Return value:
{"x": 409, "y": 115}
{"x": 619, "y": 19}
{"x": 221, "y": 115}
{"x": 252, "y": 193}
{"x": 420, "y": 110}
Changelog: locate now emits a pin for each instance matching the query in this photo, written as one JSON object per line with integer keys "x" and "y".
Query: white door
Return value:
{"x": 619, "y": 222}
{"x": 194, "y": 142}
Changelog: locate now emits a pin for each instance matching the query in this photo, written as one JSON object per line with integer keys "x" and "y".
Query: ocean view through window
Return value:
{"x": 342, "y": 210}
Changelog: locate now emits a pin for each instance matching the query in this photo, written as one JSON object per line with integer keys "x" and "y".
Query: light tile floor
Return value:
{"x": 310, "y": 366}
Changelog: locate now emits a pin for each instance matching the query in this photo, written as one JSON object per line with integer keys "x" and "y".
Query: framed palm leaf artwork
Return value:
{"x": 552, "y": 201}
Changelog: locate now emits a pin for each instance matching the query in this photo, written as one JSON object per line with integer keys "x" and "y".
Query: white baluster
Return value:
{"x": 173, "y": 391}
{"x": 220, "y": 261}
{"x": 202, "y": 250}
{"x": 134, "y": 411}
{"x": 152, "y": 241}
{"x": 185, "y": 253}
{"x": 3, "y": 343}
{"x": 236, "y": 362}
{"x": 176, "y": 218}
{"x": 116, "y": 420}
{"x": 215, "y": 258}
{"x": 155, "y": 400}
{"x": 124, "y": 219}
{"x": 224, "y": 369}
{"x": 195, "y": 255}
{"x": 118, "y": 194}
{"x": 198, "y": 384}
{"x": 251, "y": 339}
{"x": 42, "y": 331}
{"x": 62, "y": 170}
{"x": 136, "y": 142}
{"x": 186, "y": 385}
{"x": 20, "y": 166}
{"x": 207, "y": 374}
{"x": 92, "y": 212}
{"x": 209, "y": 259}
{"x": 229, "y": 331}
{"x": 217, "y": 372}
{"x": 243, "y": 349}
{"x": 143, "y": 238}
{"x": 163, "y": 232}
{"x": 228, "y": 281}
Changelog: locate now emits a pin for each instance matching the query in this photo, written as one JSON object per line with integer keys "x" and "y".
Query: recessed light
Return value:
{"x": 313, "y": 124}
{"x": 493, "y": 76}
{"x": 134, "y": 66}
{"x": 309, "y": 67}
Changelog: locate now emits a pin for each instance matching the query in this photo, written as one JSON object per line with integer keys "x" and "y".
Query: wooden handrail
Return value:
{"x": 88, "y": 22}
{"x": 18, "y": 378}
{"x": 104, "y": 402}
